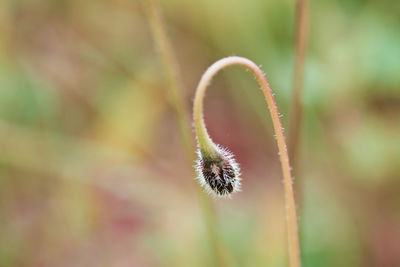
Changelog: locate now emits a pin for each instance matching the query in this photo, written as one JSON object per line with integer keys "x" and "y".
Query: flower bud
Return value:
{"x": 218, "y": 173}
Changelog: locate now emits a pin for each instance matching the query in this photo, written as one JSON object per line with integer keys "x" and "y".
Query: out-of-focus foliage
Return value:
{"x": 92, "y": 169}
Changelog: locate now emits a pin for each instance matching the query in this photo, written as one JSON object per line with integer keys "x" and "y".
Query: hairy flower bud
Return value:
{"x": 217, "y": 170}
{"x": 218, "y": 173}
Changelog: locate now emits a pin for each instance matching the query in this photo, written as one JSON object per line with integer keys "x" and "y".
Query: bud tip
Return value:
{"x": 219, "y": 174}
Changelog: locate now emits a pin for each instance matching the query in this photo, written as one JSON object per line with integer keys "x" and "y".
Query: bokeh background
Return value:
{"x": 92, "y": 166}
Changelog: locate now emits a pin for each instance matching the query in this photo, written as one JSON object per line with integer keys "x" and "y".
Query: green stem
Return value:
{"x": 203, "y": 137}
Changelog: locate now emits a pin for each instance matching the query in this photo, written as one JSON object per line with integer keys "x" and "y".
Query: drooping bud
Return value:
{"x": 216, "y": 168}
{"x": 218, "y": 172}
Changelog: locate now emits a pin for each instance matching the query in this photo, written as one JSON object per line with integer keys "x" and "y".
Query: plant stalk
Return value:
{"x": 176, "y": 98}
{"x": 296, "y": 113}
{"x": 203, "y": 136}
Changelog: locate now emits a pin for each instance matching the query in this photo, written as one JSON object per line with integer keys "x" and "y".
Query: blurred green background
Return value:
{"x": 92, "y": 167}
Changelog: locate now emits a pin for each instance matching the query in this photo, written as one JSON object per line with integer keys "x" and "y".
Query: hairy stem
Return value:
{"x": 176, "y": 98}
{"x": 205, "y": 141}
{"x": 296, "y": 116}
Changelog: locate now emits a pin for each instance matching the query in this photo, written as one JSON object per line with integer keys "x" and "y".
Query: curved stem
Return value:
{"x": 206, "y": 143}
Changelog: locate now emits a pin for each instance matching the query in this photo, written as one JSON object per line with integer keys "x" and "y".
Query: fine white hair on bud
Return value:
{"x": 219, "y": 173}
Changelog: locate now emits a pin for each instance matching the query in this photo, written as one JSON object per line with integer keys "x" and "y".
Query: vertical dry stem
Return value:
{"x": 176, "y": 98}
{"x": 171, "y": 73}
{"x": 296, "y": 116}
{"x": 205, "y": 140}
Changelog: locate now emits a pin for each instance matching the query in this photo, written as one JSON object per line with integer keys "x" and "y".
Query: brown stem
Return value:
{"x": 176, "y": 98}
{"x": 171, "y": 72}
{"x": 296, "y": 115}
